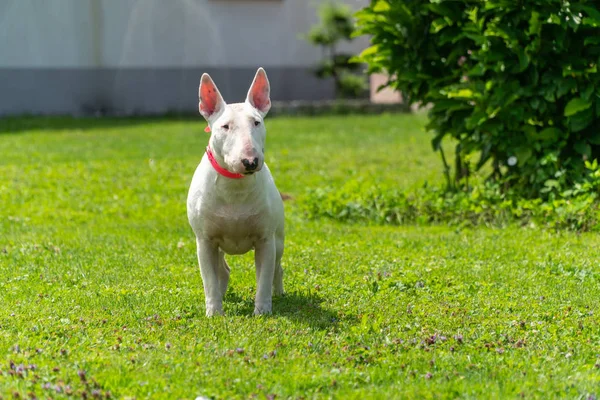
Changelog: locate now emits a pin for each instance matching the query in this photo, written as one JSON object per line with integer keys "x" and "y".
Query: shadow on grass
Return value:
{"x": 304, "y": 308}
{"x": 20, "y": 124}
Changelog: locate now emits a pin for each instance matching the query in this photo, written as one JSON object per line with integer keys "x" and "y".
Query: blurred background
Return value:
{"x": 127, "y": 57}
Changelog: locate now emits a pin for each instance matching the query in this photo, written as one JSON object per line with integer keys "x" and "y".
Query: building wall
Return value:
{"x": 147, "y": 56}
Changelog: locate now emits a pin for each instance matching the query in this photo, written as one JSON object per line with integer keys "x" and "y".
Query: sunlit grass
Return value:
{"x": 100, "y": 289}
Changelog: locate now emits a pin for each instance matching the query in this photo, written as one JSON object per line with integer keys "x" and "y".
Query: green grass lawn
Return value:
{"x": 100, "y": 290}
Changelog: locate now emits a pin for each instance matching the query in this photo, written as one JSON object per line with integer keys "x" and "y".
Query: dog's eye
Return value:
{"x": 226, "y": 126}
{"x": 256, "y": 123}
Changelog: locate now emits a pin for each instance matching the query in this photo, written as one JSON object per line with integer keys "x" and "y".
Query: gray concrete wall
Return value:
{"x": 146, "y": 56}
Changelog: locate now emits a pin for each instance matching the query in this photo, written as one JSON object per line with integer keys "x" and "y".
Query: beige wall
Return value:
{"x": 386, "y": 95}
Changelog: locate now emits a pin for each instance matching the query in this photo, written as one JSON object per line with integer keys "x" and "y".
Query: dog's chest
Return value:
{"x": 234, "y": 228}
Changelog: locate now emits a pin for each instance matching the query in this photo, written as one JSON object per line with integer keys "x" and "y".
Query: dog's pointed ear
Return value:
{"x": 210, "y": 101}
{"x": 259, "y": 93}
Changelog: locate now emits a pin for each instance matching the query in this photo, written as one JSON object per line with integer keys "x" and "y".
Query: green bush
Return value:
{"x": 514, "y": 82}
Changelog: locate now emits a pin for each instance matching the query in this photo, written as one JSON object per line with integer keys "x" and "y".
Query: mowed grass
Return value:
{"x": 101, "y": 295}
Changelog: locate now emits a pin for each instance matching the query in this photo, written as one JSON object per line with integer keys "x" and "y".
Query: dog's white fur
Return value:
{"x": 234, "y": 216}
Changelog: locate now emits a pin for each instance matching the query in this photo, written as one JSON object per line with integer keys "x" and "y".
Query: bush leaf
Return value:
{"x": 576, "y": 105}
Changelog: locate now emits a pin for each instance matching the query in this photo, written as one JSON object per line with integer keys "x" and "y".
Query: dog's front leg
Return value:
{"x": 264, "y": 257}
{"x": 208, "y": 258}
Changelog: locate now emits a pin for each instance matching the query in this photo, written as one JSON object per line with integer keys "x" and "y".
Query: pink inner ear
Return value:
{"x": 207, "y": 129}
{"x": 208, "y": 98}
{"x": 259, "y": 93}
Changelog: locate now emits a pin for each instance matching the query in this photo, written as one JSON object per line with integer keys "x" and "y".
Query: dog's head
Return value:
{"x": 237, "y": 130}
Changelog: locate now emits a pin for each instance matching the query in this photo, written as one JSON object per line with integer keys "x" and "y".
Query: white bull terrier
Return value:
{"x": 233, "y": 205}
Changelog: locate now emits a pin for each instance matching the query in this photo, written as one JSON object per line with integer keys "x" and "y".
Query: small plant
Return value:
{"x": 336, "y": 25}
{"x": 485, "y": 204}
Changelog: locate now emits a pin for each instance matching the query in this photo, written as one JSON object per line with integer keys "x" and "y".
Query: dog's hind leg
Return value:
{"x": 223, "y": 273}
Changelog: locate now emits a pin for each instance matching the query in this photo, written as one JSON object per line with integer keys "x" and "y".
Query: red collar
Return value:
{"x": 219, "y": 169}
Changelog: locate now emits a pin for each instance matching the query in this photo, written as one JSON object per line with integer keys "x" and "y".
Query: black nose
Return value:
{"x": 250, "y": 166}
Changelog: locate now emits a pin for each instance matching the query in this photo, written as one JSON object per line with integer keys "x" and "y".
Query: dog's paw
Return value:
{"x": 262, "y": 309}
{"x": 212, "y": 311}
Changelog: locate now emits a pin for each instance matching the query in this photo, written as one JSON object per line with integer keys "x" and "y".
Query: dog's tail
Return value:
{"x": 285, "y": 197}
